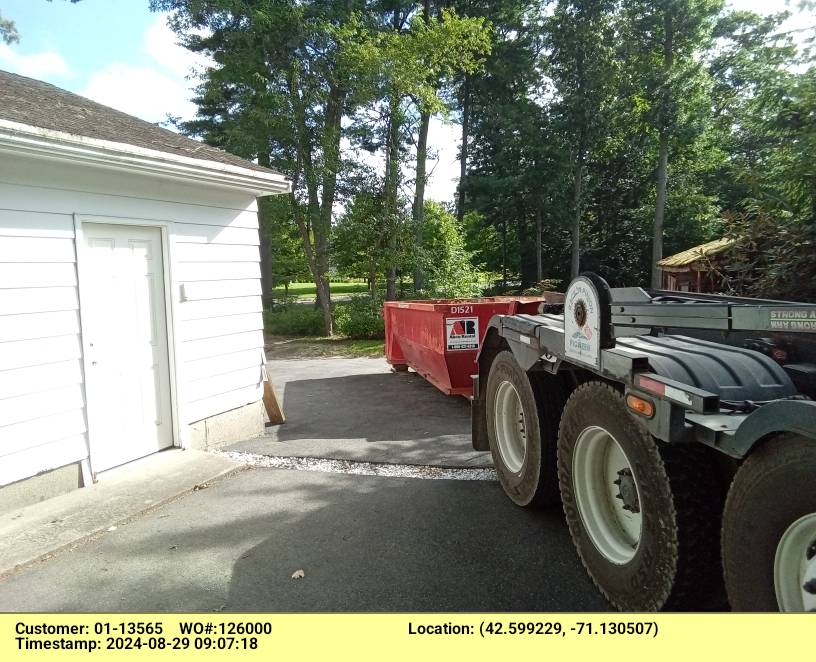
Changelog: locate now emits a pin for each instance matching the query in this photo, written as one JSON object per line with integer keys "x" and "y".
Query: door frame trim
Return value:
{"x": 169, "y": 285}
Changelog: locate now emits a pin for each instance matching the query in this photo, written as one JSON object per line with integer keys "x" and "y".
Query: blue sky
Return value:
{"x": 116, "y": 52}
{"x": 87, "y": 33}
{"x": 119, "y": 53}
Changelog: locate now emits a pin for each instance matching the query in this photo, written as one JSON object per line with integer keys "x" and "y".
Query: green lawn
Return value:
{"x": 309, "y": 291}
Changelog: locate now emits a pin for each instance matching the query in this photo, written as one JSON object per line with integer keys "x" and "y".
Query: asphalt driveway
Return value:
{"x": 364, "y": 542}
{"x": 357, "y": 409}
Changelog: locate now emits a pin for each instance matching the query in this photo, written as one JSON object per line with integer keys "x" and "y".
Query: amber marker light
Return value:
{"x": 640, "y": 405}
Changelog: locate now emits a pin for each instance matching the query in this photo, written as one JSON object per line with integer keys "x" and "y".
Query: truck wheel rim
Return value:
{"x": 795, "y": 566}
{"x": 511, "y": 427}
{"x": 607, "y": 495}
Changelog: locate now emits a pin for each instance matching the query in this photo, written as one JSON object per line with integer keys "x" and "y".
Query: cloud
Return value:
{"x": 154, "y": 91}
{"x": 42, "y": 65}
{"x": 444, "y": 139}
{"x": 140, "y": 91}
{"x": 161, "y": 44}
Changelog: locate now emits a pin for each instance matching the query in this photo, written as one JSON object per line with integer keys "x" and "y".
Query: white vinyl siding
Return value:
{"x": 215, "y": 299}
{"x": 220, "y": 320}
{"x": 42, "y": 417}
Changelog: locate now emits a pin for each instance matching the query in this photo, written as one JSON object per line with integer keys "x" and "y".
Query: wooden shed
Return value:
{"x": 690, "y": 270}
{"x": 130, "y": 292}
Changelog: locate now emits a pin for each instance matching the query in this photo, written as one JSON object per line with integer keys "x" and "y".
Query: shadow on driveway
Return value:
{"x": 364, "y": 543}
{"x": 357, "y": 409}
{"x": 402, "y": 545}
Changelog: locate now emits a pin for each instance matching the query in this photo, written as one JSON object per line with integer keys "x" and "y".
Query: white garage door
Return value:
{"x": 125, "y": 332}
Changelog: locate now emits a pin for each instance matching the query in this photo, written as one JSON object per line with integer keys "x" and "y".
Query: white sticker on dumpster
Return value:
{"x": 462, "y": 333}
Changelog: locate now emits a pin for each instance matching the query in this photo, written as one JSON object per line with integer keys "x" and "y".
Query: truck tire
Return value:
{"x": 522, "y": 429}
{"x": 769, "y": 528}
{"x": 644, "y": 517}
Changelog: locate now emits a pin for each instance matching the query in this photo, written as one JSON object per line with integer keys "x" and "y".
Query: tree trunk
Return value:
{"x": 422, "y": 156}
{"x": 662, "y": 181}
{"x": 331, "y": 166}
{"x": 315, "y": 225}
{"x": 578, "y": 182}
{"x": 575, "y": 266}
{"x": 463, "y": 154}
{"x": 391, "y": 189}
{"x": 391, "y": 183}
{"x": 267, "y": 266}
{"x": 267, "y": 269}
{"x": 504, "y": 254}
{"x": 539, "y": 266}
{"x": 372, "y": 280}
{"x": 419, "y": 194}
{"x": 662, "y": 157}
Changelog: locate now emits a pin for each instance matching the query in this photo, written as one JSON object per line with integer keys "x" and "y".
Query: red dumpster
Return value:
{"x": 440, "y": 338}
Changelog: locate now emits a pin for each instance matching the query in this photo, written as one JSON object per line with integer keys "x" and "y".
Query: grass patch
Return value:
{"x": 309, "y": 290}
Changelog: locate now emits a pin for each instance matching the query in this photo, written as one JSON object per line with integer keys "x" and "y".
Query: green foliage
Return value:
{"x": 732, "y": 104}
{"x": 367, "y": 239}
{"x": 443, "y": 258}
{"x": 8, "y": 31}
{"x": 416, "y": 61}
{"x": 578, "y": 110}
{"x": 772, "y": 258}
{"x": 283, "y": 238}
{"x": 360, "y": 317}
{"x": 546, "y": 285}
{"x": 365, "y": 243}
{"x": 294, "y": 319}
{"x": 288, "y": 73}
{"x": 673, "y": 95}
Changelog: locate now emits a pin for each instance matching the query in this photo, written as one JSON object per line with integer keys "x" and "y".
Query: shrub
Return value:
{"x": 772, "y": 257}
{"x": 360, "y": 317}
{"x": 294, "y": 319}
{"x": 546, "y": 285}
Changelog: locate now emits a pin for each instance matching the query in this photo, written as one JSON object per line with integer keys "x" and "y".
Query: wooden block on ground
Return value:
{"x": 273, "y": 408}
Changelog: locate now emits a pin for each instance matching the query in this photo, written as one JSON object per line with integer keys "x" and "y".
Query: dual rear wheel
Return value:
{"x": 644, "y": 520}
{"x": 647, "y": 518}
{"x": 644, "y": 517}
{"x": 769, "y": 528}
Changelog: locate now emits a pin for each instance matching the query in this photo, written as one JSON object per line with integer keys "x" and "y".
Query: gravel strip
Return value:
{"x": 358, "y": 468}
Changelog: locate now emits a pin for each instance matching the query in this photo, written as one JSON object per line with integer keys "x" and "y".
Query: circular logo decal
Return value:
{"x": 580, "y": 313}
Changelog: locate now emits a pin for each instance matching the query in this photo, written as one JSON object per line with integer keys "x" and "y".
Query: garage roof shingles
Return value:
{"x": 34, "y": 103}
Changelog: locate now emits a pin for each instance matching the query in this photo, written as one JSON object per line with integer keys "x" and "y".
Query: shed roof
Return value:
{"x": 692, "y": 255}
{"x": 38, "y": 104}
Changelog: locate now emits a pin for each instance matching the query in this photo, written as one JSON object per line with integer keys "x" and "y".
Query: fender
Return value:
{"x": 491, "y": 344}
{"x": 503, "y": 331}
{"x": 796, "y": 416}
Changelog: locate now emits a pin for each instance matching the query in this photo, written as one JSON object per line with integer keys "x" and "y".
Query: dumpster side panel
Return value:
{"x": 440, "y": 339}
{"x": 393, "y": 349}
{"x": 420, "y": 333}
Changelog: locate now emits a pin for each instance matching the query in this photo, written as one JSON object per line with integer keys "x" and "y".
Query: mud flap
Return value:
{"x": 478, "y": 422}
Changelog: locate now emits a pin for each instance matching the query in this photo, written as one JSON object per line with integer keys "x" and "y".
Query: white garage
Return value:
{"x": 130, "y": 294}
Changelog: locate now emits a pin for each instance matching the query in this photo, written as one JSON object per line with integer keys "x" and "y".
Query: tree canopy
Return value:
{"x": 596, "y": 134}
